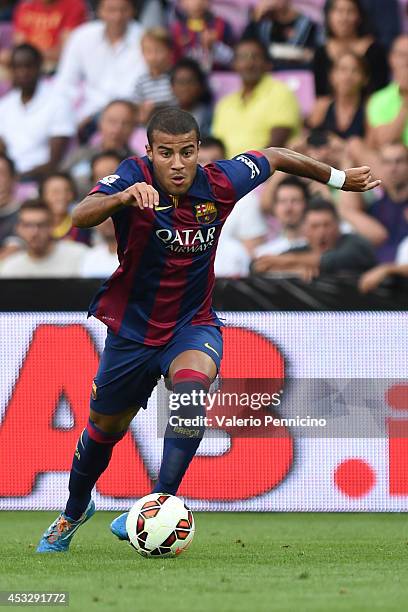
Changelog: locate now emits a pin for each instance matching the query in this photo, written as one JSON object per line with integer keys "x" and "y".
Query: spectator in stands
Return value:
{"x": 385, "y": 221}
{"x": 371, "y": 280}
{"x": 106, "y": 57}
{"x": 199, "y": 34}
{"x": 385, "y": 18}
{"x": 43, "y": 257}
{"x": 327, "y": 148}
{"x": 192, "y": 92}
{"x": 36, "y": 125}
{"x": 232, "y": 258}
{"x": 104, "y": 164}
{"x": 153, "y": 88}
{"x": 347, "y": 30}
{"x": 288, "y": 208}
{"x": 327, "y": 252}
{"x": 58, "y": 192}
{"x": 9, "y": 207}
{"x": 101, "y": 260}
{"x": 263, "y": 113}
{"x": 150, "y": 13}
{"x": 116, "y": 124}
{"x": 238, "y": 236}
{"x": 290, "y": 36}
{"x": 343, "y": 112}
{"x": 46, "y": 24}
{"x": 387, "y": 109}
{"x": 211, "y": 149}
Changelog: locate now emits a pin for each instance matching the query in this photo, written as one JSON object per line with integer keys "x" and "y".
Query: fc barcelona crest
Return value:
{"x": 206, "y": 212}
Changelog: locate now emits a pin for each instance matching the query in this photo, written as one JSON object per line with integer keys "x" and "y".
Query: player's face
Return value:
{"x": 34, "y": 227}
{"x": 25, "y": 70}
{"x": 174, "y": 160}
{"x": 321, "y": 230}
{"x": 289, "y": 206}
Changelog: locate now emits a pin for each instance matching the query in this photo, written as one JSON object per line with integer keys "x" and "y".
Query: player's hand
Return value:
{"x": 140, "y": 195}
{"x": 359, "y": 179}
{"x": 369, "y": 281}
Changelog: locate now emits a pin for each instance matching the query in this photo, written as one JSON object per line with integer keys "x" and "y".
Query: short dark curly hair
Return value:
{"x": 172, "y": 121}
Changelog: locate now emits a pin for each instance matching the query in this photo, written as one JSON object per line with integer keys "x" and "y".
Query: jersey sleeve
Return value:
{"x": 128, "y": 173}
{"x": 245, "y": 171}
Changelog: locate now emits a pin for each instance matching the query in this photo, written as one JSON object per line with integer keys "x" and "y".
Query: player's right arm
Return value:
{"x": 351, "y": 179}
{"x": 113, "y": 193}
{"x": 97, "y": 207}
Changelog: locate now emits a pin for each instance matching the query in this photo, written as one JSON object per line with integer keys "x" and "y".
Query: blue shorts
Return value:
{"x": 128, "y": 371}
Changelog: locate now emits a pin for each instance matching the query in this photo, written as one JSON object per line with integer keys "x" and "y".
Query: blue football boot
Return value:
{"x": 118, "y": 526}
{"x": 59, "y": 534}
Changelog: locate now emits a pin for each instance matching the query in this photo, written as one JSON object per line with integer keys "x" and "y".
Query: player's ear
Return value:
{"x": 149, "y": 152}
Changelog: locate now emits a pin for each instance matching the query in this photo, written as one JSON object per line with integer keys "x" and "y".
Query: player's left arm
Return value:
{"x": 351, "y": 179}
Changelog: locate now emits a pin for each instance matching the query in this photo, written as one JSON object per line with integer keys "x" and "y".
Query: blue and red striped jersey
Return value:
{"x": 165, "y": 277}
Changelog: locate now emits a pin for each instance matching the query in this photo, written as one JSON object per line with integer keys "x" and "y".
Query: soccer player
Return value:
{"x": 168, "y": 213}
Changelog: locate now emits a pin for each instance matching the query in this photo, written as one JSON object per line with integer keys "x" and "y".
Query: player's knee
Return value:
{"x": 193, "y": 360}
{"x": 113, "y": 423}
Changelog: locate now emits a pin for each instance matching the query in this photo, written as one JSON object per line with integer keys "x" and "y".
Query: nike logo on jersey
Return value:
{"x": 158, "y": 208}
{"x": 211, "y": 348}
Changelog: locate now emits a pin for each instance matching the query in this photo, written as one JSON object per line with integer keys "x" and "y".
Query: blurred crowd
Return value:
{"x": 80, "y": 79}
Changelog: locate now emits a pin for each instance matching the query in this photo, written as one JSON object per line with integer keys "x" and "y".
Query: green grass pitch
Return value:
{"x": 237, "y": 562}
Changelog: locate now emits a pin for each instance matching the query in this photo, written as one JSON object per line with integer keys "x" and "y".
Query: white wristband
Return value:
{"x": 337, "y": 178}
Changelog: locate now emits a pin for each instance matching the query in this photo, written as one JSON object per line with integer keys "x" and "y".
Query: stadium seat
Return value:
{"x": 299, "y": 81}
{"x": 236, "y": 12}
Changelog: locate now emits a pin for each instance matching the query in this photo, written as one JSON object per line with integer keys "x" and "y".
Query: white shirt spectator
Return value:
{"x": 246, "y": 220}
{"x": 99, "y": 262}
{"x": 279, "y": 245}
{"x": 232, "y": 259}
{"x": 63, "y": 261}
{"x": 26, "y": 129}
{"x": 402, "y": 252}
{"x": 107, "y": 71}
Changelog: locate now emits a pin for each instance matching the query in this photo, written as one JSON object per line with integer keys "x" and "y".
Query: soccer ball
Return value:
{"x": 160, "y": 525}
